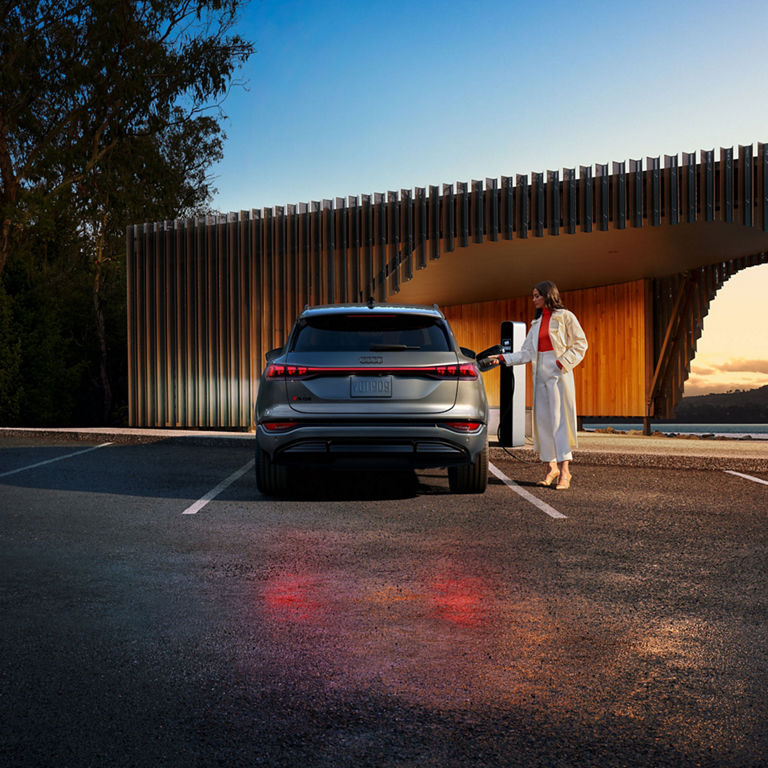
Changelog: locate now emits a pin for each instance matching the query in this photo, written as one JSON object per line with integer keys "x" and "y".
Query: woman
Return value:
{"x": 554, "y": 346}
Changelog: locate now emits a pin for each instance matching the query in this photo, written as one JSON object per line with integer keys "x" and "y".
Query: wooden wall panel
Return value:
{"x": 614, "y": 319}
{"x": 477, "y": 326}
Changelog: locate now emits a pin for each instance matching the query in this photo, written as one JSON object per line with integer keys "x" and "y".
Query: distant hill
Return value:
{"x": 740, "y": 407}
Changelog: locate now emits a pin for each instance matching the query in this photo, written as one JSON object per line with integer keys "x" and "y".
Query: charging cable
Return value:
{"x": 496, "y": 349}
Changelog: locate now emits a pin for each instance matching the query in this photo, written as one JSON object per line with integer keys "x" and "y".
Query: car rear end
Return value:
{"x": 371, "y": 387}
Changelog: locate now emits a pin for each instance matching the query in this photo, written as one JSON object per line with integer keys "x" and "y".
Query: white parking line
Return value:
{"x": 212, "y": 494}
{"x": 58, "y": 458}
{"x": 746, "y": 477}
{"x": 542, "y": 505}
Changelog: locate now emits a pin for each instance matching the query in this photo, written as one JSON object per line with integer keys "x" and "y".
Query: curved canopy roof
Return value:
{"x": 494, "y": 270}
{"x": 590, "y": 231}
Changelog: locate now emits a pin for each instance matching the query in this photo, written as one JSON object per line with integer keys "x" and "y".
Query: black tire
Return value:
{"x": 470, "y": 478}
{"x": 271, "y": 479}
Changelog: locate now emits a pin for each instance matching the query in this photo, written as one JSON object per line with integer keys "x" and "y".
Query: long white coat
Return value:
{"x": 570, "y": 345}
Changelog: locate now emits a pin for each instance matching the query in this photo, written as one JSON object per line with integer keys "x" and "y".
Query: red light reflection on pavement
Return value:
{"x": 292, "y": 597}
{"x": 459, "y": 600}
{"x": 298, "y": 597}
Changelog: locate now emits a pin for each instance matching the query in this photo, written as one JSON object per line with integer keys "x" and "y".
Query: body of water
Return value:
{"x": 755, "y": 431}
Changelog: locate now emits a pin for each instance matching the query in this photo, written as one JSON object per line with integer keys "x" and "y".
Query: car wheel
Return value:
{"x": 271, "y": 479}
{"x": 470, "y": 478}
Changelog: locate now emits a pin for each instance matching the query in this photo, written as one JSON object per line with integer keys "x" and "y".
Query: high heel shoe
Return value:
{"x": 550, "y": 478}
{"x": 564, "y": 484}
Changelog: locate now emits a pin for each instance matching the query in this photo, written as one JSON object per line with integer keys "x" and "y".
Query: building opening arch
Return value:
{"x": 732, "y": 352}
{"x": 680, "y": 304}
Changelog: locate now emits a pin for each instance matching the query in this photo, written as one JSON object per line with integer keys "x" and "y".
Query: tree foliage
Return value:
{"x": 109, "y": 115}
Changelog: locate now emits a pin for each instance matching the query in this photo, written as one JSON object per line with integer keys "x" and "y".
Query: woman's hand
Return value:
{"x": 494, "y": 359}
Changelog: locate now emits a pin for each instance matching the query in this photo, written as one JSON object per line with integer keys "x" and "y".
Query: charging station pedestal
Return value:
{"x": 512, "y": 388}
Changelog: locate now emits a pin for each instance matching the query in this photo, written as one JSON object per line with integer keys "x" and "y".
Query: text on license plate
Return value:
{"x": 371, "y": 386}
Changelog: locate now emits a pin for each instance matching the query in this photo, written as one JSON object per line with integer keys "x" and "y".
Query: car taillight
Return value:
{"x": 464, "y": 426}
{"x": 461, "y": 371}
{"x": 453, "y": 371}
{"x": 275, "y": 371}
{"x": 279, "y": 426}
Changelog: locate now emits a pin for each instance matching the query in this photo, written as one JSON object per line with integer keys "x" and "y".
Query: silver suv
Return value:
{"x": 371, "y": 386}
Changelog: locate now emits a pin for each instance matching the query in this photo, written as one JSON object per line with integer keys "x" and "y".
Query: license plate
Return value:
{"x": 371, "y": 386}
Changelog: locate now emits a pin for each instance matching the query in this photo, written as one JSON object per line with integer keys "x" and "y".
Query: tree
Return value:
{"x": 109, "y": 111}
{"x": 10, "y": 355}
{"x": 80, "y": 80}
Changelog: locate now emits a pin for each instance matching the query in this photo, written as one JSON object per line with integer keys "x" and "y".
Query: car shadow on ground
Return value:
{"x": 330, "y": 485}
{"x": 378, "y": 485}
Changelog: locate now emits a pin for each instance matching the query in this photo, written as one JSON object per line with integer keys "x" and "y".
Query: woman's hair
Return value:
{"x": 548, "y": 290}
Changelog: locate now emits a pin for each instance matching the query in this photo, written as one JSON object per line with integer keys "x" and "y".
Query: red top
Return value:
{"x": 545, "y": 343}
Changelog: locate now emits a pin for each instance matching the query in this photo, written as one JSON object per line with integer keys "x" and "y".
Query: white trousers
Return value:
{"x": 554, "y": 406}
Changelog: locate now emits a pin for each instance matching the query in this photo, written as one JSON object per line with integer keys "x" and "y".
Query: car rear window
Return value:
{"x": 369, "y": 333}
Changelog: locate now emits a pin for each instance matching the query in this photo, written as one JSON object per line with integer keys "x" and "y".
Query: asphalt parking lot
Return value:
{"x": 158, "y": 612}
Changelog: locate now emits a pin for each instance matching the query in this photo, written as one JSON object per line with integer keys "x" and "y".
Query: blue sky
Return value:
{"x": 346, "y": 98}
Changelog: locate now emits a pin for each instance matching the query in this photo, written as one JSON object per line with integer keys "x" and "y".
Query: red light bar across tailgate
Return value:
{"x": 452, "y": 371}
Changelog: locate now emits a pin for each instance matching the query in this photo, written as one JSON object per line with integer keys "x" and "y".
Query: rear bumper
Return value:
{"x": 373, "y": 446}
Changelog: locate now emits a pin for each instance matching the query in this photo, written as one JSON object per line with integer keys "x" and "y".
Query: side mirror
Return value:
{"x": 470, "y": 353}
{"x": 273, "y": 353}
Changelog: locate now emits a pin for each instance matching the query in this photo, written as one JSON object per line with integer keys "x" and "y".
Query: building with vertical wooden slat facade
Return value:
{"x": 638, "y": 250}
